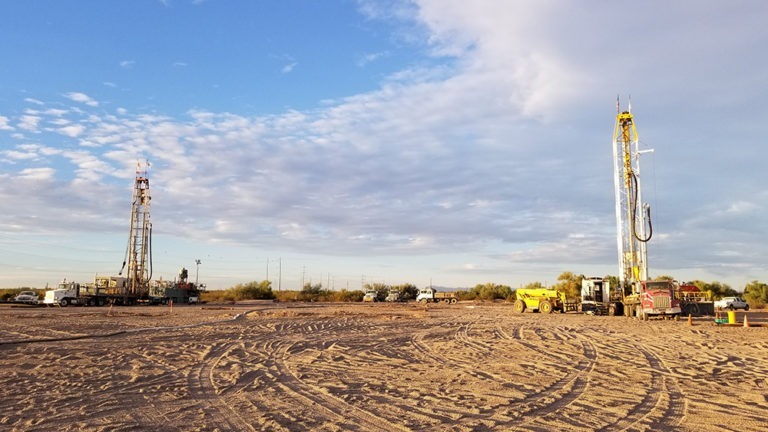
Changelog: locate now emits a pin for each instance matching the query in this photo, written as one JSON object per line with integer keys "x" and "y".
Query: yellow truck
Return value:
{"x": 544, "y": 300}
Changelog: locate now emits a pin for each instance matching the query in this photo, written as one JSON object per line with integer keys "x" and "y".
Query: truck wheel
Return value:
{"x": 545, "y": 307}
{"x": 519, "y": 306}
{"x": 746, "y": 308}
{"x": 64, "y": 302}
{"x": 453, "y": 300}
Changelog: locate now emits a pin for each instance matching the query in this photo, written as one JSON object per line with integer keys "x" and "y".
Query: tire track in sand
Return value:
{"x": 203, "y": 390}
{"x": 662, "y": 407}
{"x": 337, "y": 409}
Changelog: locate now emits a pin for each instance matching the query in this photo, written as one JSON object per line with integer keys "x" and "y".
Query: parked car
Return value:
{"x": 26, "y": 297}
{"x": 732, "y": 303}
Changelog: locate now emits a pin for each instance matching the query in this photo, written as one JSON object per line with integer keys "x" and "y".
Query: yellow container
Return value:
{"x": 731, "y": 317}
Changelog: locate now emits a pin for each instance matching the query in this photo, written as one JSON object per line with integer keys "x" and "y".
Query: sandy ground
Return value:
{"x": 375, "y": 367}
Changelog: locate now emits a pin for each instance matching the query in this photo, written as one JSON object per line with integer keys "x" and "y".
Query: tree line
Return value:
{"x": 756, "y": 293}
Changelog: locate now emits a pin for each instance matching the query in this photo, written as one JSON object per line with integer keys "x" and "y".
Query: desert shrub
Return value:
{"x": 312, "y": 293}
{"x": 253, "y": 291}
{"x": 347, "y": 296}
{"x": 486, "y": 292}
{"x": 247, "y": 291}
{"x": 217, "y": 296}
{"x": 756, "y": 294}
{"x": 407, "y": 291}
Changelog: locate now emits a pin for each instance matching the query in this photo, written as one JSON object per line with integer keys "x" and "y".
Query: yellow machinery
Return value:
{"x": 544, "y": 300}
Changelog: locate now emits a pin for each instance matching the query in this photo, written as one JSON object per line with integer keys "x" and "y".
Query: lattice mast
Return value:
{"x": 634, "y": 227}
{"x": 139, "y": 250}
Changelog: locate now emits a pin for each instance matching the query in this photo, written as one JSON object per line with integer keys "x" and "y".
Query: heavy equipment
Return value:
{"x": 544, "y": 300}
{"x": 429, "y": 294}
{"x": 636, "y": 295}
{"x": 179, "y": 291}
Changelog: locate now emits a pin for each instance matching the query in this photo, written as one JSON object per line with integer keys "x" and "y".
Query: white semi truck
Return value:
{"x": 429, "y": 294}
{"x": 105, "y": 289}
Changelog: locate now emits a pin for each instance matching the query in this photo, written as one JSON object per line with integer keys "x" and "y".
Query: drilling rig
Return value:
{"x": 138, "y": 253}
{"x": 636, "y": 295}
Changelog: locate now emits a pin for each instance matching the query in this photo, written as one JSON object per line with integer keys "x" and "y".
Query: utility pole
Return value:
{"x": 197, "y": 270}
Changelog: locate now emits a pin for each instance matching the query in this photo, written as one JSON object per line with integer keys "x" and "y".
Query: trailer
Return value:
{"x": 104, "y": 290}
{"x": 694, "y": 301}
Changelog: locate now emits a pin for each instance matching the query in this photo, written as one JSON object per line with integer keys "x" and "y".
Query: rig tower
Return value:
{"x": 139, "y": 250}
{"x": 633, "y": 224}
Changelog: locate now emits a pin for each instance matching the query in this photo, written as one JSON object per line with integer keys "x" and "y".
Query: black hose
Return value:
{"x": 150, "y": 253}
{"x": 633, "y": 211}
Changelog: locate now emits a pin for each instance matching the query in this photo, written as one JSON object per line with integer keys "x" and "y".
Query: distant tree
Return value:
{"x": 488, "y": 292}
{"x": 756, "y": 294}
{"x": 663, "y": 278}
{"x": 570, "y": 284}
{"x": 381, "y": 290}
{"x": 253, "y": 291}
{"x": 348, "y": 296}
{"x": 407, "y": 291}
{"x": 533, "y": 285}
{"x": 717, "y": 290}
{"x": 312, "y": 292}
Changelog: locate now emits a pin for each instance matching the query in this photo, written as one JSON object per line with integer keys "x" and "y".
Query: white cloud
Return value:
{"x": 371, "y": 57}
{"x": 29, "y": 123}
{"x": 494, "y": 151}
{"x": 72, "y": 130}
{"x": 127, "y": 64}
{"x": 288, "y": 67}
{"x": 4, "y": 125}
{"x": 37, "y": 174}
{"x": 81, "y": 98}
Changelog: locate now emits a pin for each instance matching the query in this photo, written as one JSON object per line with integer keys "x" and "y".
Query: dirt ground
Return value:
{"x": 375, "y": 367}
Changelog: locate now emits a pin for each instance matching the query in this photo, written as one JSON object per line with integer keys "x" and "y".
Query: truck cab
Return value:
{"x": 65, "y": 294}
{"x": 426, "y": 294}
{"x": 370, "y": 296}
{"x": 658, "y": 298}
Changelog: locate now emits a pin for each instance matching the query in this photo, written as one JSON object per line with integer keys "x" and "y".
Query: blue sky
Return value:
{"x": 347, "y": 142}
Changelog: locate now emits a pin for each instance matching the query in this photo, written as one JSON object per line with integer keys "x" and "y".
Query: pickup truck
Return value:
{"x": 26, "y": 297}
{"x": 731, "y": 303}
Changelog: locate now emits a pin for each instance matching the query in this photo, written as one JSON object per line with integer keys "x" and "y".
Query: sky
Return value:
{"x": 342, "y": 142}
